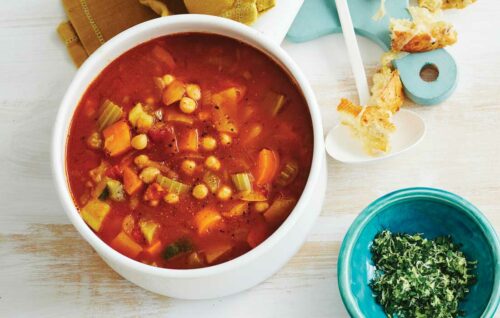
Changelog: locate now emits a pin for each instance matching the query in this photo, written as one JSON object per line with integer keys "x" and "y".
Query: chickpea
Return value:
{"x": 168, "y": 79}
{"x": 159, "y": 83}
{"x": 139, "y": 142}
{"x": 212, "y": 163}
{"x": 226, "y": 139}
{"x": 94, "y": 141}
{"x": 149, "y": 174}
{"x": 145, "y": 122}
{"x": 209, "y": 143}
{"x": 141, "y": 161}
{"x": 261, "y": 206}
{"x": 200, "y": 191}
{"x": 187, "y": 105}
{"x": 193, "y": 91}
{"x": 188, "y": 166}
{"x": 224, "y": 193}
{"x": 171, "y": 198}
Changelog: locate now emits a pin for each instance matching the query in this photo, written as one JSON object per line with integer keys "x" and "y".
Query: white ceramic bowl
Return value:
{"x": 244, "y": 271}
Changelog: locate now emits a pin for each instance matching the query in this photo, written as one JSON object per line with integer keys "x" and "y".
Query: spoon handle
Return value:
{"x": 353, "y": 51}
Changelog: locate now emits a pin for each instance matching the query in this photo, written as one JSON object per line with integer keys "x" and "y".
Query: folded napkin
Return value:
{"x": 93, "y": 22}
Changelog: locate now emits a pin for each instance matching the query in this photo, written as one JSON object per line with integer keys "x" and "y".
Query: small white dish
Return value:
{"x": 343, "y": 146}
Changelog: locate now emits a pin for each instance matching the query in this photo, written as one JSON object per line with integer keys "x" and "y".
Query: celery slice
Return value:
{"x": 242, "y": 182}
{"x": 109, "y": 114}
{"x": 171, "y": 185}
{"x": 288, "y": 174}
{"x": 274, "y": 102}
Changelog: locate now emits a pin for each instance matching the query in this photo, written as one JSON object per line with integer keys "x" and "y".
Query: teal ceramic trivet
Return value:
{"x": 319, "y": 17}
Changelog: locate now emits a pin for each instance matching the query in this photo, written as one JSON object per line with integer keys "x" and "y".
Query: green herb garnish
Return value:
{"x": 416, "y": 277}
{"x": 178, "y": 247}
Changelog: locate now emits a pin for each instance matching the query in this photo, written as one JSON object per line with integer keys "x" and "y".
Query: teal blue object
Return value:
{"x": 319, "y": 17}
{"x": 433, "y": 213}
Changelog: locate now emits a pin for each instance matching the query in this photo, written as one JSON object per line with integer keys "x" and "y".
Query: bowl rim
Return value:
{"x": 68, "y": 105}
{"x": 377, "y": 206}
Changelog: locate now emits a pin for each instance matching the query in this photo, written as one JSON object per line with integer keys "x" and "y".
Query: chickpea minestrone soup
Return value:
{"x": 189, "y": 150}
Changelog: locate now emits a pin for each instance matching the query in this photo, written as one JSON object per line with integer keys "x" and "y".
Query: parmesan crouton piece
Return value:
{"x": 436, "y": 5}
{"x": 424, "y": 33}
{"x": 371, "y": 125}
{"x": 456, "y": 4}
{"x": 387, "y": 90}
{"x": 431, "y": 5}
{"x": 389, "y": 56}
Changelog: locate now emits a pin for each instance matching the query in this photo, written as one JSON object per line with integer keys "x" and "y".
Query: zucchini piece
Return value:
{"x": 115, "y": 189}
{"x": 109, "y": 113}
{"x": 94, "y": 213}
{"x": 178, "y": 247}
{"x": 242, "y": 181}
{"x": 171, "y": 185}
{"x": 104, "y": 194}
{"x": 149, "y": 229}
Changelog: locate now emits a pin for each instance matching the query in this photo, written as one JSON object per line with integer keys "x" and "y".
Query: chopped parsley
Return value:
{"x": 416, "y": 277}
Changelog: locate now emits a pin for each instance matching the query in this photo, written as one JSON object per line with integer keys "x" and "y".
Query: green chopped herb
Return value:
{"x": 416, "y": 277}
{"x": 178, "y": 247}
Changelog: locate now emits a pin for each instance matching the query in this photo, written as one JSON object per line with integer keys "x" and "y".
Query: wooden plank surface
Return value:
{"x": 47, "y": 270}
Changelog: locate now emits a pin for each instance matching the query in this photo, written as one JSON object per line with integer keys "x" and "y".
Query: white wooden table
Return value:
{"x": 47, "y": 270}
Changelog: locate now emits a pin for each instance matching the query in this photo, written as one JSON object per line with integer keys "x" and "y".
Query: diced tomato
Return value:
{"x": 114, "y": 172}
{"x": 164, "y": 135}
{"x": 154, "y": 192}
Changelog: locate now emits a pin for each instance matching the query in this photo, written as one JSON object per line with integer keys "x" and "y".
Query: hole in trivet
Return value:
{"x": 429, "y": 73}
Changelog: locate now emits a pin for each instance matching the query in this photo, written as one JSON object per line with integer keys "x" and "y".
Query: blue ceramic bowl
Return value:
{"x": 431, "y": 212}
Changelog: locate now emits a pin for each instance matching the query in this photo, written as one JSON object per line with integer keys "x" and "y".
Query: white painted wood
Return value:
{"x": 47, "y": 270}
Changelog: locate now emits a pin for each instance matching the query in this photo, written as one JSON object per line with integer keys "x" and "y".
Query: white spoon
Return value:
{"x": 340, "y": 142}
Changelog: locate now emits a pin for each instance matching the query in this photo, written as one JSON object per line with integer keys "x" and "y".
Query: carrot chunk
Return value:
{"x": 206, "y": 219}
{"x": 155, "y": 248}
{"x": 131, "y": 181}
{"x": 189, "y": 141}
{"x": 116, "y": 138}
{"x": 125, "y": 245}
{"x": 267, "y": 166}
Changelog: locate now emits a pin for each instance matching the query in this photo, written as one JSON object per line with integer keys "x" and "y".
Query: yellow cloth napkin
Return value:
{"x": 93, "y": 22}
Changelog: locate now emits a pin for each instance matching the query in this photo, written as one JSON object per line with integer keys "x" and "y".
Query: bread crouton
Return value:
{"x": 436, "y": 5}
{"x": 424, "y": 33}
{"x": 371, "y": 125}
{"x": 456, "y": 4}
{"x": 387, "y": 90}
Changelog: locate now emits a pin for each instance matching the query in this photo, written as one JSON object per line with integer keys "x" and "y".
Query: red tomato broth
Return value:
{"x": 214, "y": 63}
